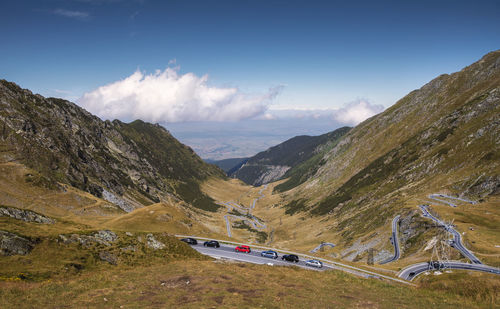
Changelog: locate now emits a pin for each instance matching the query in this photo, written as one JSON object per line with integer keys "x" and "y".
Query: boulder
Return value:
{"x": 153, "y": 243}
{"x": 12, "y": 244}
{"x": 108, "y": 257}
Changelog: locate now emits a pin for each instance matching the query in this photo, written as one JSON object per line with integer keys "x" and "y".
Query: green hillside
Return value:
{"x": 443, "y": 136}
{"x": 278, "y": 162}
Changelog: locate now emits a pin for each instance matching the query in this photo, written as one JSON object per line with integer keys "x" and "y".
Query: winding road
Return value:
{"x": 410, "y": 272}
{"x": 226, "y": 251}
{"x": 321, "y": 245}
{"x": 394, "y": 240}
{"x": 249, "y": 218}
{"x": 457, "y": 238}
{"x": 439, "y": 198}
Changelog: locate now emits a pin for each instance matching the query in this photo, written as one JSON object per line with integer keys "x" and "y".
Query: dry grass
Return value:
{"x": 206, "y": 284}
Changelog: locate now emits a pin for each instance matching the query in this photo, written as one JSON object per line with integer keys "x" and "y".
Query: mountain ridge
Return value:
{"x": 110, "y": 159}
{"x": 277, "y": 162}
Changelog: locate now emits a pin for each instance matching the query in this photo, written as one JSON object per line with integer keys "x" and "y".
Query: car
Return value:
{"x": 243, "y": 248}
{"x": 190, "y": 241}
{"x": 290, "y": 258}
{"x": 211, "y": 243}
{"x": 314, "y": 263}
{"x": 269, "y": 254}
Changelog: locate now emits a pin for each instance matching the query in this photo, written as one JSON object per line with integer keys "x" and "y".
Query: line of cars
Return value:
{"x": 267, "y": 254}
{"x": 209, "y": 243}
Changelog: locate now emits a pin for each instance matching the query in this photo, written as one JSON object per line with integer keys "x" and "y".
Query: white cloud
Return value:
{"x": 72, "y": 14}
{"x": 351, "y": 114}
{"x": 357, "y": 111}
{"x": 167, "y": 96}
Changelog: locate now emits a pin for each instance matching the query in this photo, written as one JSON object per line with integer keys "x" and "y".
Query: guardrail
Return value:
{"x": 338, "y": 264}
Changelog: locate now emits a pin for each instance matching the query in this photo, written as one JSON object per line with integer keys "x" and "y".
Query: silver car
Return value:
{"x": 314, "y": 263}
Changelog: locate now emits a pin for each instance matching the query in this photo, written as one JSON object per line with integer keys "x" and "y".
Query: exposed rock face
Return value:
{"x": 108, "y": 257}
{"x": 25, "y": 215}
{"x": 101, "y": 237}
{"x": 482, "y": 186}
{"x": 382, "y": 255}
{"x": 273, "y": 173}
{"x": 12, "y": 244}
{"x": 130, "y": 165}
{"x": 153, "y": 243}
{"x": 129, "y": 248}
{"x": 106, "y": 235}
{"x": 353, "y": 252}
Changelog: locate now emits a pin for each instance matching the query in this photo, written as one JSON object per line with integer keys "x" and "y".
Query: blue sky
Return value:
{"x": 318, "y": 54}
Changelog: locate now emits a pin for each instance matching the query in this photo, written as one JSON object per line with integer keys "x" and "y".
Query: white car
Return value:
{"x": 314, "y": 263}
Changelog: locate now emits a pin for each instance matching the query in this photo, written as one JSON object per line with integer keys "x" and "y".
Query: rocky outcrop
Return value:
{"x": 101, "y": 237}
{"x": 12, "y": 244}
{"x": 108, "y": 257}
{"x": 273, "y": 173}
{"x": 25, "y": 215}
{"x": 153, "y": 243}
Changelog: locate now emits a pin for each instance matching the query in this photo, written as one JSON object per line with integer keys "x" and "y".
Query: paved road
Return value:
{"x": 411, "y": 272}
{"x": 250, "y": 219}
{"x": 321, "y": 245}
{"x": 457, "y": 238}
{"x": 227, "y": 251}
{"x": 395, "y": 241}
{"x": 439, "y": 197}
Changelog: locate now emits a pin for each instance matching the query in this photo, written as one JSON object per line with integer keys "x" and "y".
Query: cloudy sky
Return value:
{"x": 231, "y": 78}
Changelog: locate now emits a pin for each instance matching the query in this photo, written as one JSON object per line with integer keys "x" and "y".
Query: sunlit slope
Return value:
{"x": 443, "y": 137}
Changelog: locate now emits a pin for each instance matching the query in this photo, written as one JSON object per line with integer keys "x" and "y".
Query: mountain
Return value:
{"x": 443, "y": 137}
{"x": 129, "y": 164}
{"x": 229, "y": 165}
{"x": 278, "y": 162}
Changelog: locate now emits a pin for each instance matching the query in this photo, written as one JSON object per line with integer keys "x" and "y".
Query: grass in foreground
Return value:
{"x": 208, "y": 284}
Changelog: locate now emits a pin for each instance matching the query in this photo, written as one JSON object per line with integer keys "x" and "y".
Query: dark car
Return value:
{"x": 269, "y": 254}
{"x": 211, "y": 243}
{"x": 290, "y": 258}
{"x": 190, "y": 241}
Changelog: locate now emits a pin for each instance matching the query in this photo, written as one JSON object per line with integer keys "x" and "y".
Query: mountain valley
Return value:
{"x": 103, "y": 201}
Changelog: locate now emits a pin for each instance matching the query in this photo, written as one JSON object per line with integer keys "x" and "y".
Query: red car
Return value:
{"x": 243, "y": 248}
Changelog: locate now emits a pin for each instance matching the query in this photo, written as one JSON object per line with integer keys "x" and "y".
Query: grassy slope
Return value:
{"x": 300, "y": 172}
{"x": 195, "y": 284}
{"x": 56, "y": 275}
{"x": 173, "y": 160}
{"x": 391, "y": 162}
{"x": 78, "y": 210}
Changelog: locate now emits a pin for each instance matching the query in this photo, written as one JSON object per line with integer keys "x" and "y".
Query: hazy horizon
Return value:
{"x": 205, "y": 68}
